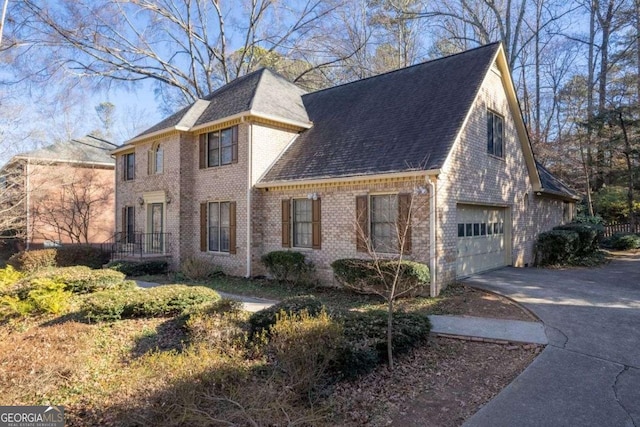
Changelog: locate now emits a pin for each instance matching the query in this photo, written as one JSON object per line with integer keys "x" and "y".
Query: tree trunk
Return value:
{"x": 390, "y": 334}
{"x": 627, "y": 155}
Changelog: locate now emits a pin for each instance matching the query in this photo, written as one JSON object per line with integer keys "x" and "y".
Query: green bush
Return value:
{"x": 588, "y": 236}
{"x": 8, "y": 277}
{"x": 371, "y": 276}
{"x": 89, "y": 256}
{"x": 82, "y": 280}
{"x": 366, "y": 339}
{"x": 139, "y": 268}
{"x": 557, "y": 247}
{"x": 199, "y": 269}
{"x": 44, "y": 296}
{"x": 624, "y": 241}
{"x": 304, "y": 347}
{"x": 219, "y": 324}
{"x": 160, "y": 301}
{"x": 30, "y": 261}
{"x": 263, "y": 320}
{"x": 288, "y": 266}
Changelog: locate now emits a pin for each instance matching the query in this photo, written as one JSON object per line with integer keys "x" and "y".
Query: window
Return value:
{"x": 156, "y": 160}
{"x": 219, "y": 227}
{"x": 302, "y": 217}
{"x": 495, "y": 134}
{"x": 383, "y": 223}
{"x": 129, "y": 166}
{"x": 219, "y": 148}
{"x": 302, "y": 223}
{"x": 128, "y": 224}
{"x": 384, "y": 216}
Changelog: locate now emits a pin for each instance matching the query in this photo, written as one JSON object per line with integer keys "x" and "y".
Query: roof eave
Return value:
{"x": 341, "y": 179}
{"x": 557, "y": 194}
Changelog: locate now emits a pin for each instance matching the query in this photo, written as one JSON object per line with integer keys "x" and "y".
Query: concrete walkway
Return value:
{"x": 589, "y": 374}
{"x": 250, "y": 304}
{"x": 494, "y": 329}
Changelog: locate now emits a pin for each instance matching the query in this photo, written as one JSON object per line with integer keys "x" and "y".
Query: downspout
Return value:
{"x": 249, "y": 188}
{"x": 27, "y": 201}
{"x": 433, "y": 264}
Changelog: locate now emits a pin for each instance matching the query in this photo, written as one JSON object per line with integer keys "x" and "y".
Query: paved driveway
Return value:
{"x": 589, "y": 374}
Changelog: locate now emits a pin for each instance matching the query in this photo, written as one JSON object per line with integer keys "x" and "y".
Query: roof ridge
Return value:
{"x": 255, "y": 90}
{"x": 430, "y": 61}
{"x": 100, "y": 139}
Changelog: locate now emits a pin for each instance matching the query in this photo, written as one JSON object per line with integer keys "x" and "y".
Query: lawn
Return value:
{"x": 201, "y": 368}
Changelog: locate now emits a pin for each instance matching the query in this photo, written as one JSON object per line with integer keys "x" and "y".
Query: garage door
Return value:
{"x": 481, "y": 239}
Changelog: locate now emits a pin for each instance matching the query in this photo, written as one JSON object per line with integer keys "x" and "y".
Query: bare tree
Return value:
{"x": 188, "y": 47}
{"x": 71, "y": 210}
{"x": 387, "y": 243}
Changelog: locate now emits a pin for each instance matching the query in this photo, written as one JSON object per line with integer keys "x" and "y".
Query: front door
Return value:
{"x": 155, "y": 236}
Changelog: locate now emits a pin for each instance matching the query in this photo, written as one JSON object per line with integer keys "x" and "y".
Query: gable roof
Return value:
{"x": 406, "y": 119}
{"x": 87, "y": 149}
{"x": 262, "y": 91}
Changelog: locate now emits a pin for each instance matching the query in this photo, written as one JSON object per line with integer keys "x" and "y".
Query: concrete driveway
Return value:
{"x": 589, "y": 374}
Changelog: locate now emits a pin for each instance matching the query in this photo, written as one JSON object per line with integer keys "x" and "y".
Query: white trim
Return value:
{"x": 154, "y": 197}
{"x": 222, "y": 120}
{"x": 409, "y": 174}
{"x": 249, "y": 189}
{"x": 432, "y": 181}
{"x": 307, "y": 125}
{"x": 35, "y": 160}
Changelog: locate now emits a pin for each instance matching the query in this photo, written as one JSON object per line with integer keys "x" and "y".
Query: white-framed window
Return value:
{"x": 302, "y": 223}
{"x": 219, "y": 227}
{"x": 384, "y": 222}
{"x": 495, "y": 134}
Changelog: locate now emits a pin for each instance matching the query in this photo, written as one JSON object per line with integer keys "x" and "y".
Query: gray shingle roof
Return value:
{"x": 402, "y": 120}
{"x": 261, "y": 91}
{"x": 553, "y": 184}
{"x": 87, "y": 149}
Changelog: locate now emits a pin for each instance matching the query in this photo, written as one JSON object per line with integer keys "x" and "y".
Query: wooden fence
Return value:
{"x": 615, "y": 227}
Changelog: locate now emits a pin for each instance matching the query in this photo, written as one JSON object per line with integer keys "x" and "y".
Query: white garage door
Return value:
{"x": 481, "y": 239}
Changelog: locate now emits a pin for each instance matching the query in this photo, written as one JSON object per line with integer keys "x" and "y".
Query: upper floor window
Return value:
{"x": 156, "y": 160}
{"x": 129, "y": 166}
{"x": 495, "y": 134}
{"x": 219, "y": 147}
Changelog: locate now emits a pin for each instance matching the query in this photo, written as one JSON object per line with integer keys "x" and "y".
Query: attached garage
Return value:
{"x": 482, "y": 238}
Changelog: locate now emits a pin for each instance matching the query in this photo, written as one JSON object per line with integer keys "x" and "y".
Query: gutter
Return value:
{"x": 432, "y": 181}
{"x": 328, "y": 180}
{"x": 249, "y": 188}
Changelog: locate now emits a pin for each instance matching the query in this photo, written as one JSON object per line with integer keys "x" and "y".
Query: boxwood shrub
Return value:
{"x": 288, "y": 266}
{"x": 557, "y": 247}
{"x": 264, "y": 319}
{"x": 160, "y": 301}
{"x": 588, "y": 237}
{"x": 363, "y": 276}
{"x": 29, "y": 261}
{"x": 624, "y": 241}
{"x": 139, "y": 268}
{"x": 90, "y": 256}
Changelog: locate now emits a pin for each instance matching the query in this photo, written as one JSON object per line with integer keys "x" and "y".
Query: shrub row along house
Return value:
{"x": 61, "y": 193}
{"x": 439, "y": 148}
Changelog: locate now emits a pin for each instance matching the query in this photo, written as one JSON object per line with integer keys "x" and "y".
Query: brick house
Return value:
{"x": 62, "y": 193}
{"x": 260, "y": 165}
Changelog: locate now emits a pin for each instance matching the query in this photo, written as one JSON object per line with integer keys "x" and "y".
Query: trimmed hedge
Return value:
{"x": 30, "y": 261}
{"x": 263, "y": 320}
{"x": 362, "y": 275}
{"x": 624, "y": 241}
{"x": 588, "y": 236}
{"x": 556, "y": 247}
{"x": 139, "y": 268}
{"x": 65, "y": 256}
{"x": 160, "y": 301}
{"x": 287, "y": 266}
